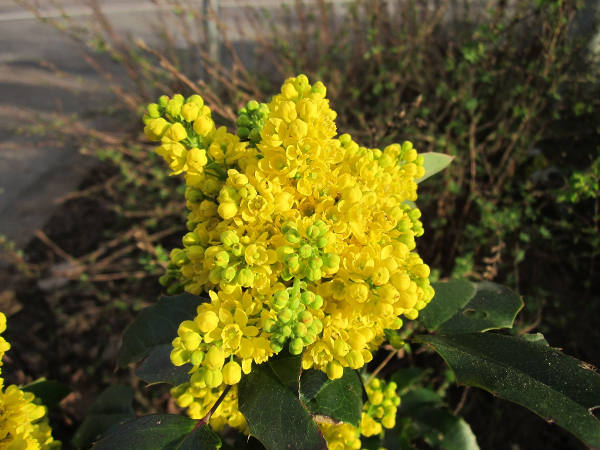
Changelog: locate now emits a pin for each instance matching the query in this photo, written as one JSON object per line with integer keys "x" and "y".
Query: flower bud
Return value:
{"x": 203, "y": 125}
{"x": 232, "y": 373}
{"x": 207, "y": 321}
{"x": 191, "y": 341}
{"x": 213, "y": 378}
{"x": 334, "y": 370}
{"x": 215, "y": 358}
{"x": 296, "y": 346}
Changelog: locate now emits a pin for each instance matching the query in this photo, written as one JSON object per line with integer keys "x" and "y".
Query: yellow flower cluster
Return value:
{"x": 23, "y": 421}
{"x": 303, "y": 240}
{"x": 379, "y": 412}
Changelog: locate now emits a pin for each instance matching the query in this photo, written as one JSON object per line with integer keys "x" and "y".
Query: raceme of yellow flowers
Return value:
{"x": 23, "y": 421}
{"x": 302, "y": 239}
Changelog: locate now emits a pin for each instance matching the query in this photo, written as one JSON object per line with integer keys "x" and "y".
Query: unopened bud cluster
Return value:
{"x": 302, "y": 239}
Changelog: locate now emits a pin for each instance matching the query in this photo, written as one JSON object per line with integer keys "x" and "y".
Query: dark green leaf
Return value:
{"x": 437, "y": 426}
{"x": 157, "y": 367}
{"x": 111, "y": 407}
{"x": 156, "y": 325}
{"x": 449, "y": 298}
{"x": 311, "y": 383}
{"x": 493, "y": 306}
{"x": 274, "y": 414}
{"x": 287, "y": 368}
{"x": 199, "y": 439}
{"x": 434, "y": 163}
{"x": 339, "y": 399}
{"x": 156, "y": 431}
{"x": 49, "y": 392}
{"x": 555, "y": 386}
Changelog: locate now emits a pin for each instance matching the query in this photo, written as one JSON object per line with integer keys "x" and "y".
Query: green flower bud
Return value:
{"x": 296, "y": 346}
{"x": 317, "y": 303}
{"x": 276, "y": 346}
{"x": 306, "y": 318}
{"x": 228, "y": 275}
{"x": 285, "y": 315}
{"x": 153, "y": 110}
{"x": 252, "y": 105}
{"x": 243, "y": 132}
{"x": 191, "y": 239}
{"x": 293, "y": 236}
{"x": 300, "y": 330}
{"x": 313, "y": 274}
{"x": 269, "y": 325}
{"x": 305, "y": 251}
{"x": 286, "y": 331}
{"x": 197, "y": 357}
{"x": 221, "y": 259}
{"x": 229, "y": 238}
{"x": 280, "y": 299}
{"x": 213, "y": 378}
{"x": 246, "y": 277}
{"x": 322, "y": 242}
{"x": 163, "y": 100}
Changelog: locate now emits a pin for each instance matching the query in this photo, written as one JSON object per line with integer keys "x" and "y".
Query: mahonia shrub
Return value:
{"x": 302, "y": 239}
{"x": 23, "y": 420}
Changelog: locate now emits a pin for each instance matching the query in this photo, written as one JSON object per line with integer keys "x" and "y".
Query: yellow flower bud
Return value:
{"x": 215, "y": 358}
{"x": 190, "y": 112}
{"x": 191, "y": 341}
{"x": 227, "y": 210}
{"x": 213, "y": 378}
{"x": 334, "y": 370}
{"x": 207, "y": 321}
{"x": 204, "y": 125}
{"x": 196, "y": 160}
{"x": 232, "y": 373}
{"x": 176, "y": 132}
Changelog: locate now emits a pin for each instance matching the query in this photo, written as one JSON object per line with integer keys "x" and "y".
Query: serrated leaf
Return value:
{"x": 339, "y": 399}
{"x": 287, "y": 368}
{"x": 49, "y": 392}
{"x": 158, "y": 368}
{"x": 274, "y": 414}
{"x": 155, "y": 431}
{"x": 555, "y": 386}
{"x": 450, "y": 297}
{"x": 434, "y": 163}
{"x": 112, "y": 406}
{"x": 156, "y": 325}
{"x": 438, "y": 426}
{"x": 492, "y": 307}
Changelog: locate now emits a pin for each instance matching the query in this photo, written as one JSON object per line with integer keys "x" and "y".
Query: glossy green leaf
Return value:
{"x": 49, "y": 392}
{"x": 274, "y": 414}
{"x": 339, "y": 399}
{"x": 157, "y": 367}
{"x": 112, "y": 406}
{"x": 156, "y": 431}
{"x": 492, "y": 307}
{"x": 434, "y": 423}
{"x": 200, "y": 439}
{"x": 450, "y": 297}
{"x": 434, "y": 163}
{"x": 156, "y": 325}
{"x": 287, "y": 368}
{"x": 311, "y": 383}
{"x": 555, "y": 386}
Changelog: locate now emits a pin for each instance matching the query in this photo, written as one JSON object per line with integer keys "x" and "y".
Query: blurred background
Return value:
{"x": 88, "y": 213}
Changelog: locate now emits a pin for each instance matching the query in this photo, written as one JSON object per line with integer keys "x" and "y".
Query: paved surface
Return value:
{"x": 35, "y": 171}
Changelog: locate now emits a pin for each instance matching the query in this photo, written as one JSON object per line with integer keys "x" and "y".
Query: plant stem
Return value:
{"x": 209, "y": 414}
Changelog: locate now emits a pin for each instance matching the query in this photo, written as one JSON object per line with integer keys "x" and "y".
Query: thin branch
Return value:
{"x": 206, "y": 418}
